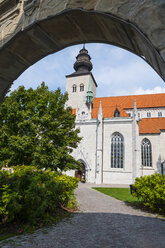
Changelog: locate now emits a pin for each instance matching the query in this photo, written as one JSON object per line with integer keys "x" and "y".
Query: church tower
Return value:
{"x": 81, "y": 85}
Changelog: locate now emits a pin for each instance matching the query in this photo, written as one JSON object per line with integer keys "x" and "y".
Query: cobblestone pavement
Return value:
{"x": 101, "y": 222}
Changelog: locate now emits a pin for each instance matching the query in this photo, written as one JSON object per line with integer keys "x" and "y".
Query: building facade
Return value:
{"x": 123, "y": 136}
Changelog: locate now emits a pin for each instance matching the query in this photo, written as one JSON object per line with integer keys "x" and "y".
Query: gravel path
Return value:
{"x": 101, "y": 222}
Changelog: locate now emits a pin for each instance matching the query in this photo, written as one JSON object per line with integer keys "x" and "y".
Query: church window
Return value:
{"x": 146, "y": 153}
{"x": 117, "y": 151}
{"x": 74, "y": 88}
{"x": 81, "y": 87}
{"x": 148, "y": 114}
{"x": 159, "y": 114}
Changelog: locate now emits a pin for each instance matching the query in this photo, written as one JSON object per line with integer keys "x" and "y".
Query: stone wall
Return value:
{"x": 32, "y": 29}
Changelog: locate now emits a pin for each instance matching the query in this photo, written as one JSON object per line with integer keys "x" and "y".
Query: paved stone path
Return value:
{"x": 102, "y": 222}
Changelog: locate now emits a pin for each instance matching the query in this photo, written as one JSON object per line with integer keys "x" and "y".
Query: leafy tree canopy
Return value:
{"x": 36, "y": 129}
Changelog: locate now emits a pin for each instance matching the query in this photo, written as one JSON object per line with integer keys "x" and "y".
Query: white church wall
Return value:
{"x": 70, "y": 173}
{"x": 117, "y": 177}
{"x": 142, "y": 113}
{"x": 87, "y": 148}
{"x": 162, "y": 145}
{"x": 77, "y": 98}
{"x": 93, "y": 87}
{"x": 120, "y": 175}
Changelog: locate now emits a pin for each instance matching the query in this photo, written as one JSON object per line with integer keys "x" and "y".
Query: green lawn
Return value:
{"x": 122, "y": 194}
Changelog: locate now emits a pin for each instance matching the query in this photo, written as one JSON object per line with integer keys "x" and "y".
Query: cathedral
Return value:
{"x": 123, "y": 137}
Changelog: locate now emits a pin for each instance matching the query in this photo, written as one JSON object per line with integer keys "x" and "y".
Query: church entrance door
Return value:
{"x": 81, "y": 173}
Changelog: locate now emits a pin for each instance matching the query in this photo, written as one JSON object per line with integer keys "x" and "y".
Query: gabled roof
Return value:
{"x": 108, "y": 112}
{"x": 146, "y": 125}
{"x": 151, "y": 125}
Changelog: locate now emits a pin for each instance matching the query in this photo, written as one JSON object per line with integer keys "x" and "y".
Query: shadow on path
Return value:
{"x": 102, "y": 230}
{"x": 103, "y": 222}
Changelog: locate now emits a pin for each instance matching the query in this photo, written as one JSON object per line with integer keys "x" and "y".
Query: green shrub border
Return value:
{"x": 29, "y": 194}
{"x": 150, "y": 190}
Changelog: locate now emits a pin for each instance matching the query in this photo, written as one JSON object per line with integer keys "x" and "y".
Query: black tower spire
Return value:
{"x": 83, "y": 63}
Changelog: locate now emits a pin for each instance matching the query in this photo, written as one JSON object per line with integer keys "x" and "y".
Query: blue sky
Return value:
{"x": 117, "y": 71}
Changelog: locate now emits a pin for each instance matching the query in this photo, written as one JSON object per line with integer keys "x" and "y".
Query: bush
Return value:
{"x": 29, "y": 194}
{"x": 151, "y": 191}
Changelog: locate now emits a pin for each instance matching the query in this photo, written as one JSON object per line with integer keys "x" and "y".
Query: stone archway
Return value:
{"x": 32, "y": 29}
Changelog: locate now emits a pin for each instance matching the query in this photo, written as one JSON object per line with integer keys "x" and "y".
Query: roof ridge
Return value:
{"x": 130, "y": 95}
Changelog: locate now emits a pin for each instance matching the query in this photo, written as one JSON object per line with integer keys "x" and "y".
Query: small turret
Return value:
{"x": 89, "y": 95}
{"x": 135, "y": 113}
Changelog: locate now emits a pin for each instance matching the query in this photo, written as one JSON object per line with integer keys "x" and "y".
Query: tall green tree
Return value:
{"x": 36, "y": 129}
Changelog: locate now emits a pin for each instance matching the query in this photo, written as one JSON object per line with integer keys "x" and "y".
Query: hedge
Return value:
{"x": 151, "y": 191}
{"x": 28, "y": 194}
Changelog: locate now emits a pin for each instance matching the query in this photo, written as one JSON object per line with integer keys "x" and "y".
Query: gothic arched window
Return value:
{"x": 81, "y": 87}
{"x": 146, "y": 152}
{"x": 117, "y": 151}
{"x": 74, "y": 88}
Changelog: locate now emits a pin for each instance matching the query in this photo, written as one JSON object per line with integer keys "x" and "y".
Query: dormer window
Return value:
{"x": 81, "y": 87}
{"x": 116, "y": 113}
{"x": 74, "y": 88}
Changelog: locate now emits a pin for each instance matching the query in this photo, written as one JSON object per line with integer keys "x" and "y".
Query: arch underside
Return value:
{"x": 70, "y": 27}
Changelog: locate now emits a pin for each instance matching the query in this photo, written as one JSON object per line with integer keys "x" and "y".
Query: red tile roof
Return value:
{"x": 151, "y": 125}
{"x": 127, "y": 102}
{"x": 73, "y": 111}
{"x": 109, "y": 104}
{"x": 146, "y": 125}
{"x": 108, "y": 110}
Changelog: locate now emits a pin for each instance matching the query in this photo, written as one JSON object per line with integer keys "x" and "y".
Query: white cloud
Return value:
{"x": 126, "y": 78}
{"x": 155, "y": 90}
{"x": 129, "y": 73}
